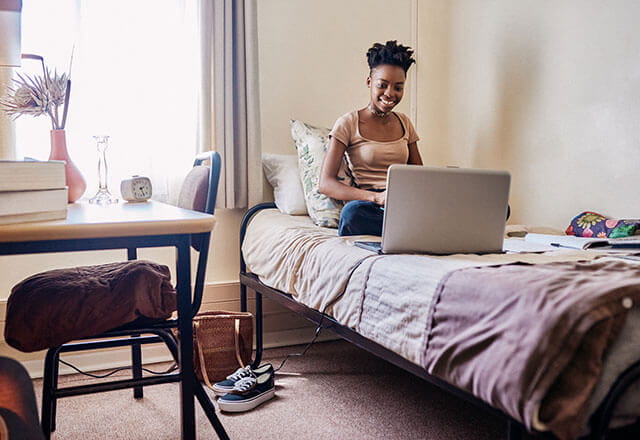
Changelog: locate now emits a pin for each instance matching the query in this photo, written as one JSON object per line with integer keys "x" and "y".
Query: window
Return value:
{"x": 134, "y": 77}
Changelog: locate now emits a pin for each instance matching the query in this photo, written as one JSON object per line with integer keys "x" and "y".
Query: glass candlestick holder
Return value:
{"x": 103, "y": 196}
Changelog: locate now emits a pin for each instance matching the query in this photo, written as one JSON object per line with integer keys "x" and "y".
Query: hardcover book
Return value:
{"x": 28, "y": 202}
{"x": 31, "y": 175}
{"x": 33, "y": 217}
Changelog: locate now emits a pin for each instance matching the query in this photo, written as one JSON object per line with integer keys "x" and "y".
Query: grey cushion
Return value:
{"x": 193, "y": 195}
{"x": 195, "y": 188}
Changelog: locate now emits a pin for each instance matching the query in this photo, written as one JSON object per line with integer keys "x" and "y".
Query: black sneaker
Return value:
{"x": 225, "y": 386}
{"x": 248, "y": 393}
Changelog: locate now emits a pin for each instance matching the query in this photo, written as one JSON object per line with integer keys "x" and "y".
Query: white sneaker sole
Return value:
{"x": 246, "y": 405}
{"x": 220, "y": 391}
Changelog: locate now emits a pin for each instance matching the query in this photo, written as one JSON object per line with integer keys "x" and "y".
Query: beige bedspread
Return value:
{"x": 314, "y": 264}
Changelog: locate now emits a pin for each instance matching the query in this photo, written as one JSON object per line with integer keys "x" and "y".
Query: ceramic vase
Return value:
{"x": 75, "y": 180}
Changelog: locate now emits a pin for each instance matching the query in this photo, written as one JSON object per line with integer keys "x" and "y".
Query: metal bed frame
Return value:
{"x": 515, "y": 430}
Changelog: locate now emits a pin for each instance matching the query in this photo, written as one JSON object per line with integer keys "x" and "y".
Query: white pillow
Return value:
{"x": 281, "y": 170}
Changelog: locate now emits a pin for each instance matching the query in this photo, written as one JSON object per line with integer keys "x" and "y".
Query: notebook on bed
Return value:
{"x": 437, "y": 210}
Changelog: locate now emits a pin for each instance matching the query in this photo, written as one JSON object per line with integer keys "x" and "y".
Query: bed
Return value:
{"x": 546, "y": 340}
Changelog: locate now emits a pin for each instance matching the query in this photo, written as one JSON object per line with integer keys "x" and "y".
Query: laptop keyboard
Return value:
{"x": 374, "y": 246}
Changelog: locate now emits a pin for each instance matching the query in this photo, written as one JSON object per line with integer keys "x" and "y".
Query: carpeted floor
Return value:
{"x": 335, "y": 391}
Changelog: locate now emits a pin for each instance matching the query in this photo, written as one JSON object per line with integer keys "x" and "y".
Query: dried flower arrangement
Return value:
{"x": 37, "y": 95}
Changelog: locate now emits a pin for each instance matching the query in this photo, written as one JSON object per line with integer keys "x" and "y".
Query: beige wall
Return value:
{"x": 312, "y": 59}
{"x": 547, "y": 90}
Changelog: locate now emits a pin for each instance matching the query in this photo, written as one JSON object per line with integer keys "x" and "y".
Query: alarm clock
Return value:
{"x": 136, "y": 189}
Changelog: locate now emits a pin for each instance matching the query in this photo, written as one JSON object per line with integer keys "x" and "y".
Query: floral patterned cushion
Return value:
{"x": 311, "y": 143}
{"x": 592, "y": 224}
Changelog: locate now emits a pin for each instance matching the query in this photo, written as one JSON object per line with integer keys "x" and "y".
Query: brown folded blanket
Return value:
{"x": 524, "y": 338}
{"x": 51, "y": 308}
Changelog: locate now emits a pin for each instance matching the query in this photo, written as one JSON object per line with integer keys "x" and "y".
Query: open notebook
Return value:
{"x": 573, "y": 242}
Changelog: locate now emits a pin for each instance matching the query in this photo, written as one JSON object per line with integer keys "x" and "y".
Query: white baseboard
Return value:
{"x": 285, "y": 331}
{"x": 90, "y": 361}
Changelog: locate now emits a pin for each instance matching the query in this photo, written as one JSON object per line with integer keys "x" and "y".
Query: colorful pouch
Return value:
{"x": 592, "y": 224}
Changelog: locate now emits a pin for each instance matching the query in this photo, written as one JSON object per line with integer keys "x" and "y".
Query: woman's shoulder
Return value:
{"x": 346, "y": 124}
{"x": 404, "y": 118}
{"x": 348, "y": 118}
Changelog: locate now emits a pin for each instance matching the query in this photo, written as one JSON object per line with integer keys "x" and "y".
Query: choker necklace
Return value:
{"x": 377, "y": 112}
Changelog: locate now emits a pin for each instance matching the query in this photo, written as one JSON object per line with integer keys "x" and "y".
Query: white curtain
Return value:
{"x": 134, "y": 77}
{"x": 229, "y": 106}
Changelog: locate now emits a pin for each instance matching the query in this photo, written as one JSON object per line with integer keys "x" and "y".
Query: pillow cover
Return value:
{"x": 592, "y": 224}
{"x": 281, "y": 170}
{"x": 311, "y": 143}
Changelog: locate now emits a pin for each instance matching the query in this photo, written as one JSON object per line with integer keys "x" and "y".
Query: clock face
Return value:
{"x": 141, "y": 189}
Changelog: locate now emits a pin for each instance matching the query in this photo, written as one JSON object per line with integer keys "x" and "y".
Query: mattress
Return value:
{"x": 330, "y": 274}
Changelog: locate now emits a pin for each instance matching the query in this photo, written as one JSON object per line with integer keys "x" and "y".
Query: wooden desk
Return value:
{"x": 85, "y": 220}
{"x": 126, "y": 226}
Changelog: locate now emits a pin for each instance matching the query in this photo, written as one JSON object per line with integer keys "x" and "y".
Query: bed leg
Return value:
{"x": 259, "y": 330}
{"x": 259, "y": 322}
{"x": 243, "y": 298}
{"x": 514, "y": 430}
{"x": 243, "y": 288}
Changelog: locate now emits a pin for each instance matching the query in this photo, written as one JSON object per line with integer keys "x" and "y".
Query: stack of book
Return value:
{"x": 32, "y": 191}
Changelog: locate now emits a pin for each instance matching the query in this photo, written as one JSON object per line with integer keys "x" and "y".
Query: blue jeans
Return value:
{"x": 360, "y": 217}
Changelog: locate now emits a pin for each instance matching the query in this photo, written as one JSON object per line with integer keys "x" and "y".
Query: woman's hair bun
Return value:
{"x": 390, "y": 53}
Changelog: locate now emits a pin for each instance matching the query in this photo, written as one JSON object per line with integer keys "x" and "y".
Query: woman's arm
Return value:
{"x": 332, "y": 187}
{"x": 414, "y": 154}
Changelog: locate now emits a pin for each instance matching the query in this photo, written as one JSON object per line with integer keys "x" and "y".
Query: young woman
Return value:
{"x": 371, "y": 139}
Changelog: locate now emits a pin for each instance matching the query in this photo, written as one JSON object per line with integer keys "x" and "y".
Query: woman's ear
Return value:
{"x": 369, "y": 81}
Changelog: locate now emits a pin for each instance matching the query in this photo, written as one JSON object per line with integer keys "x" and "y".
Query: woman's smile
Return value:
{"x": 388, "y": 102}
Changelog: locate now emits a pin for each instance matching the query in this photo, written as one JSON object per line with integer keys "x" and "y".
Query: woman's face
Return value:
{"x": 387, "y": 86}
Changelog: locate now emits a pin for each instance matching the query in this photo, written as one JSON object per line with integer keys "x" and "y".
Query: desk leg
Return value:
{"x": 187, "y": 385}
{"x": 136, "y": 349}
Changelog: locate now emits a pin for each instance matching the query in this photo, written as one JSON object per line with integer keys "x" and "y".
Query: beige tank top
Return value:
{"x": 369, "y": 160}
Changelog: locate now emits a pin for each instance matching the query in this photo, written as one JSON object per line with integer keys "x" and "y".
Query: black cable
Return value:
{"x": 303, "y": 352}
{"x": 332, "y": 302}
{"x": 116, "y": 370}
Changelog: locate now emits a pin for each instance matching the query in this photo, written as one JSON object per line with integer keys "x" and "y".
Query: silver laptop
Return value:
{"x": 437, "y": 210}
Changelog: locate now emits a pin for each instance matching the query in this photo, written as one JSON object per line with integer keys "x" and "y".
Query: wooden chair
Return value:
{"x": 198, "y": 193}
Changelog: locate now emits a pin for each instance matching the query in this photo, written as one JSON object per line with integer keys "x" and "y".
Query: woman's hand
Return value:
{"x": 380, "y": 198}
